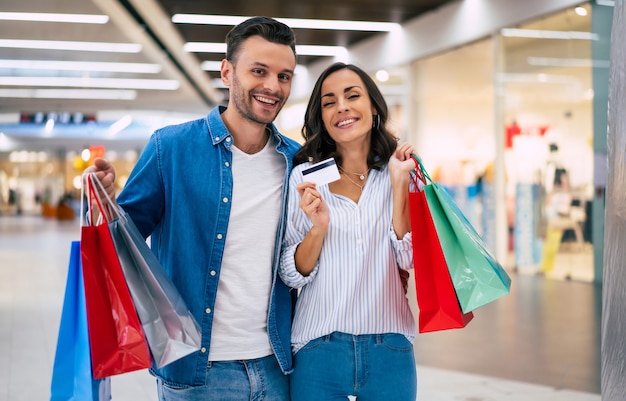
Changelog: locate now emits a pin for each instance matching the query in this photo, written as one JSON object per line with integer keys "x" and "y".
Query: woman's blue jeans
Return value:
{"x": 251, "y": 380}
{"x": 372, "y": 367}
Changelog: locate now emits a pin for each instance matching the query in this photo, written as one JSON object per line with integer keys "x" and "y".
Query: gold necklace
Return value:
{"x": 360, "y": 175}
{"x": 354, "y": 182}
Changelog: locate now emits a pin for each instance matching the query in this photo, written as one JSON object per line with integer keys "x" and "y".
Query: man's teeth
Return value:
{"x": 265, "y": 100}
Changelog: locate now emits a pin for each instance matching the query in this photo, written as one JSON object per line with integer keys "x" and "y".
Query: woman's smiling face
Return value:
{"x": 346, "y": 107}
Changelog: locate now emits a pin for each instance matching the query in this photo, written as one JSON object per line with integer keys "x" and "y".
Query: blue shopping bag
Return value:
{"x": 72, "y": 379}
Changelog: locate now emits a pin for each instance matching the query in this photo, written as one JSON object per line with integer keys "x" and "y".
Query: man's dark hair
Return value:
{"x": 319, "y": 145}
{"x": 265, "y": 27}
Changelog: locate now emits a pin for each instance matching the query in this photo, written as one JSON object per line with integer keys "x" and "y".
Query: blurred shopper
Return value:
{"x": 210, "y": 193}
{"x": 345, "y": 243}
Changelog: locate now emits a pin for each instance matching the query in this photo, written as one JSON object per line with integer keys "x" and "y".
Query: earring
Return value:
{"x": 376, "y": 122}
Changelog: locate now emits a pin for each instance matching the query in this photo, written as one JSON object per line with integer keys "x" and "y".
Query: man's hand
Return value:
{"x": 105, "y": 173}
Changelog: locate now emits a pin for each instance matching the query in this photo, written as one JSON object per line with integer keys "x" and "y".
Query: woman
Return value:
{"x": 345, "y": 245}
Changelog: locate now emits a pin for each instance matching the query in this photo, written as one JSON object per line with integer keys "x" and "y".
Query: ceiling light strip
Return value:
{"x": 341, "y": 25}
{"x": 55, "y": 17}
{"x": 204, "y": 47}
{"x": 543, "y": 34}
{"x": 314, "y": 50}
{"x": 120, "y": 125}
{"x": 122, "y": 83}
{"x": 93, "y": 94}
{"x": 71, "y": 45}
{"x": 567, "y": 62}
{"x": 211, "y": 65}
{"x": 140, "y": 68}
{"x": 304, "y": 50}
{"x": 536, "y": 78}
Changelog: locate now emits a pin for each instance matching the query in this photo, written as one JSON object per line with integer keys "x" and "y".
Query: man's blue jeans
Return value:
{"x": 373, "y": 367}
{"x": 251, "y": 380}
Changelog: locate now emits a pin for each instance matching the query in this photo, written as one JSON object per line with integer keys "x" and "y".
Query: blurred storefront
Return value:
{"x": 506, "y": 123}
{"x": 48, "y": 182}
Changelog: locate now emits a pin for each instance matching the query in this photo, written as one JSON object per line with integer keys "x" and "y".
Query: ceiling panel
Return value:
{"x": 148, "y": 23}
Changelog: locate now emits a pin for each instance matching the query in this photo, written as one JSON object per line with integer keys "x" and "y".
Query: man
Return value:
{"x": 211, "y": 195}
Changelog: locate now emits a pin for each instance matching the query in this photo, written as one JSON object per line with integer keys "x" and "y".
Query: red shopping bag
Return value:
{"x": 116, "y": 337}
{"x": 439, "y": 307}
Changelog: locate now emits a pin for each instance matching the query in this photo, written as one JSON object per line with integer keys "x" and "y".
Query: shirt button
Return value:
{"x": 217, "y": 138}
{"x": 203, "y": 350}
{"x": 228, "y": 139}
{"x": 219, "y": 236}
{"x": 225, "y": 200}
{"x": 213, "y": 273}
{"x": 208, "y": 310}
{"x": 227, "y": 164}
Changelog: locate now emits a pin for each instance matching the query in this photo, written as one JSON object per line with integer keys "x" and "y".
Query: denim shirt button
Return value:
{"x": 212, "y": 273}
{"x": 225, "y": 200}
{"x": 227, "y": 164}
{"x": 219, "y": 236}
{"x": 208, "y": 310}
{"x": 228, "y": 139}
{"x": 203, "y": 350}
{"x": 217, "y": 138}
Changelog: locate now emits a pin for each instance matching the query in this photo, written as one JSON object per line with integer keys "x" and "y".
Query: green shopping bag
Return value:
{"x": 477, "y": 276}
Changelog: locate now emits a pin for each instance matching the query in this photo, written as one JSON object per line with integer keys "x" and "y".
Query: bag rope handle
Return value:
{"x": 419, "y": 174}
{"x": 107, "y": 210}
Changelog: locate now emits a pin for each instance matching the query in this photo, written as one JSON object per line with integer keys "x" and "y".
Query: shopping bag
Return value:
{"x": 116, "y": 337}
{"x": 72, "y": 379}
{"x": 439, "y": 308}
{"x": 477, "y": 276}
{"x": 170, "y": 328}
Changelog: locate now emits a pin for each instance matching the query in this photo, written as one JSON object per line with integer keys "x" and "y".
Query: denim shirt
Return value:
{"x": 179, "y": 194}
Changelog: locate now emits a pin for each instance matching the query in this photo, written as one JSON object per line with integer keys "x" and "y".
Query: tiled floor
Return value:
{"x": 539, "y": 343}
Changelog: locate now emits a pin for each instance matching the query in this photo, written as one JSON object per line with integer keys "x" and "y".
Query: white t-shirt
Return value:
{"x": 240, "y": 320}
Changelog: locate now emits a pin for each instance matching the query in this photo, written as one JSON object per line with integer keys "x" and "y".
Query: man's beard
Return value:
{"x": 243, "y": 103}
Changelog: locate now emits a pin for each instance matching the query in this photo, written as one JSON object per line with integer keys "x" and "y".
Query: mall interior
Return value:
{"x": 506, "y": 102}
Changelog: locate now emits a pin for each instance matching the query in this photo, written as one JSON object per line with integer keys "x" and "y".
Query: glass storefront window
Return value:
{"x": 546, "y": 92}
{"x": 453, "y": 127}
{"x": 516, "y": 106}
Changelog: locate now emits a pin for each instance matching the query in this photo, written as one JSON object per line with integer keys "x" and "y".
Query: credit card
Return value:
{"x": 322, "y": 172}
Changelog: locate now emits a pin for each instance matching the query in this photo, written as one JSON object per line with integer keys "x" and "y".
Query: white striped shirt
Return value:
{"x": 355, "y": 287}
